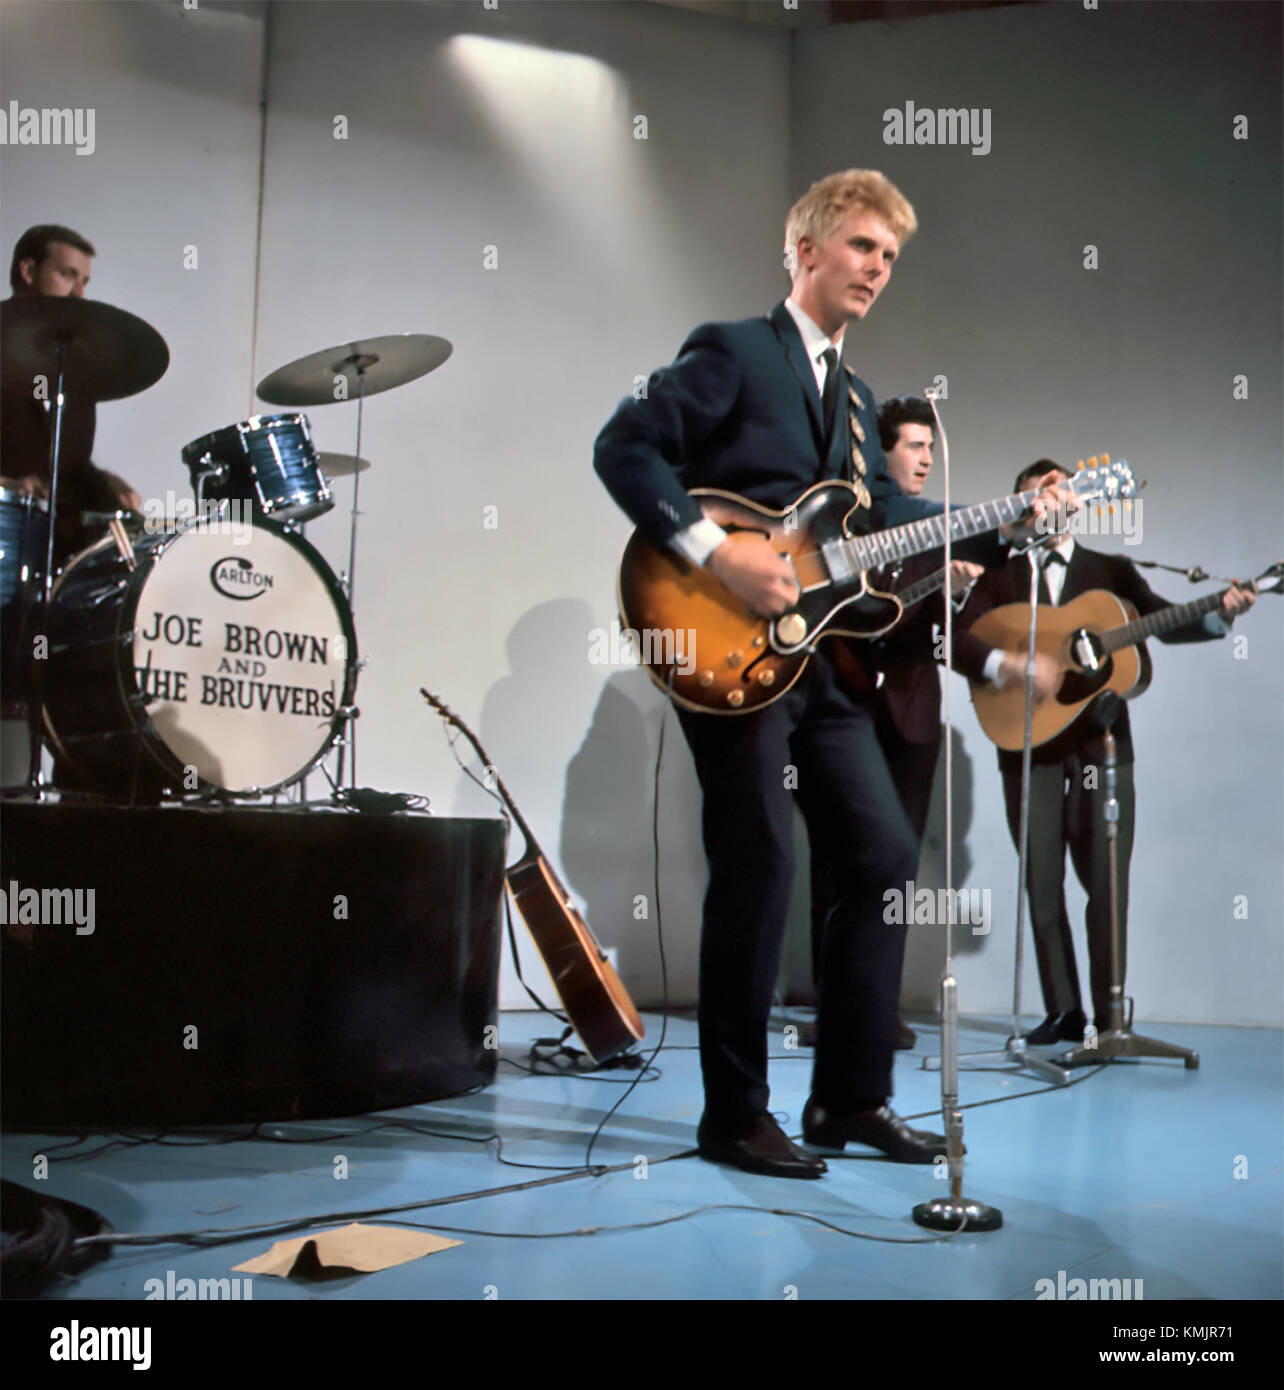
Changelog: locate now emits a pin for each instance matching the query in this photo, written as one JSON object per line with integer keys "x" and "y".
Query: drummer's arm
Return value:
{"x": 125, "y": 495}
{"x": 31, "y": 483}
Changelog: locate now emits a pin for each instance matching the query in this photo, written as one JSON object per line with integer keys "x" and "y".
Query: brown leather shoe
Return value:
{"x": 881, "y": 1129}
{"x": 758, "y": 1146}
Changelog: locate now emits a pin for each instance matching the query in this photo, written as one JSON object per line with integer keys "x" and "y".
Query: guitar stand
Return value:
{"x": 1015, "y": 1052}
{"x": 1118, "y": 1040}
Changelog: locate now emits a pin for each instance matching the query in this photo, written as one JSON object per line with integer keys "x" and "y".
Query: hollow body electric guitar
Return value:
{"x": 593, "y": 995}
{"x": 1098, "y": 640}
{"x": 713, "y": 653}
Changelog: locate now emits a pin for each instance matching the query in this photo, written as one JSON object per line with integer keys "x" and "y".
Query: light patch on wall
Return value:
{"x": 564, "y": 120}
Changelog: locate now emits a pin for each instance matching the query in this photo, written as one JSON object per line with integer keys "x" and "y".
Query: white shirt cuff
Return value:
{"x": 991, "y": 668}
{"x": 1215, "y": 623}
{"x": 698, "y": 542}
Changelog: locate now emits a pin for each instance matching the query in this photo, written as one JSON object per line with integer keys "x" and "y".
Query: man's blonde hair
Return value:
{"x": 824, "y": 205}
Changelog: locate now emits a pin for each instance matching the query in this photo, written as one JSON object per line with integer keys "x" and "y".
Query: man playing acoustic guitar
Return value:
{"x": 1066, "y": 798}
{"x": 765, "y": 408}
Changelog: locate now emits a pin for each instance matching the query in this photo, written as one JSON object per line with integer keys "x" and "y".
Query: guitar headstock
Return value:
{"x": 441, "y": 707}
{"x": 1102, "y": 480}
{"x": 1270, "y": 581}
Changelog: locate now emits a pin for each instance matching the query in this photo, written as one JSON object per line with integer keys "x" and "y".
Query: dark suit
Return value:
{"x": 907, "y": 719}
{"x": 740, "y": 409}
{"x": 1064, "y": 811}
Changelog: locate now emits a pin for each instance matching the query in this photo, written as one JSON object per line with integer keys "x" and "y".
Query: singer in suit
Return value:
{"x": 902, "y": 665}
{"x": 1066, "y": 801}
{"x": 766, "y": 407}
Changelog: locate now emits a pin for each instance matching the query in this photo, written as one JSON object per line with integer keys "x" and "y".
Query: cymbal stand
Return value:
{"x": 1118, "y": 1040}
{"x": 36, "y": 705}
{"x": 348, "y": 743}
{"x": 1015, "y": 1052}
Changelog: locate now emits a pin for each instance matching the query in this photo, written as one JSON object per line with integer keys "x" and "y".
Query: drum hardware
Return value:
{"x": 373, "y": 365}
{"x": 342, "y": 465}
{"x": 100, "y": 353}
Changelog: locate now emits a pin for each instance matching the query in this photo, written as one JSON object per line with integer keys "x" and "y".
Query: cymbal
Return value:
{"x": 341, "y": 465}
{"x": 383, "y": 362}
{"x": 107, "y": 353}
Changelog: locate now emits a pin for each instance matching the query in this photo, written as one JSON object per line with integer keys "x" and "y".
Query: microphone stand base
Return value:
{"x": 1014, "y": 1054}
{"x": 953, "y": 1213}
{"x": 1121, "y": 1042}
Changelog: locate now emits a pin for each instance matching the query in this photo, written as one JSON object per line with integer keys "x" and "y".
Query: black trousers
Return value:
{"x": 913, "y": 770}
{"x": 1065, "y": 813}
{"x": 816, "y": 747}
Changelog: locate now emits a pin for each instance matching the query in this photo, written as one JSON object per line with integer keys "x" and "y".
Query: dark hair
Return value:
{"x": 34, "y": 244}
{"x": 1036, "y": 470}
{"x": 902, "y": 410}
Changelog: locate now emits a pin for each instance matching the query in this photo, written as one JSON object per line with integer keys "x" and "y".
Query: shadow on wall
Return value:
{"x": 605, "y": 848}
{"x": 925, "y": 945}
{"x": 608, "y": 838}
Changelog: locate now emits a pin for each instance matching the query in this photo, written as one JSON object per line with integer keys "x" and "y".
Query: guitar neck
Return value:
{"x": 1163, "y": 620}
{"x": 531, "y": 849}
{"x": 921, "y": 588}
{"x": 915, "y": 537}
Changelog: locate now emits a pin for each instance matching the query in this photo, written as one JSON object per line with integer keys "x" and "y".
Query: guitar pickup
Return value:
{"x": 837, "y": 562}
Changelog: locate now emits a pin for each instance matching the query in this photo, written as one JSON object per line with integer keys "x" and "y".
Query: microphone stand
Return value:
{"x": 955, "y": 1212}
{"x": 1015, "y": 1052}
{"x": 1118, "y": 1040}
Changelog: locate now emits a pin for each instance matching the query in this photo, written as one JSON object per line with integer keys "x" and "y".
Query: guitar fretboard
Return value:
{"x": 1164, "y": 620}
{"x": 916, "y": 537}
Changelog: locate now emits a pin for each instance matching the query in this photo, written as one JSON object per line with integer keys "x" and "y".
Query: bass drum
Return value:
{"x": 215, "y": 659}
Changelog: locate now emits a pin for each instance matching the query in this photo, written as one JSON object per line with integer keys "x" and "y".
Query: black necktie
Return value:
{"x": 829, "y": 397}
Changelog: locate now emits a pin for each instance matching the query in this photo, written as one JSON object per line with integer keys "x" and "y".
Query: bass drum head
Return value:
{"x": 236, "y": 655}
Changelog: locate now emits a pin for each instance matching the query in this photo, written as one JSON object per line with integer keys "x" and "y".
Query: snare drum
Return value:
{"x": 268, "y": 461}
{"x": 218, "y": 663}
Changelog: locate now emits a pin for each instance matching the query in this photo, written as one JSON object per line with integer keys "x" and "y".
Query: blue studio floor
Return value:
{"x": 1138, "y": 1171}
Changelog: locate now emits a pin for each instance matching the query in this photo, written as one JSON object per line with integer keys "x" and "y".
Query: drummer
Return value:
{"x": 53, "y": 260}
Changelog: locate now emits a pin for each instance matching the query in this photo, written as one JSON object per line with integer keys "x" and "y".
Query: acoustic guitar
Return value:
{"x": 593, "y": 995}
{"x": 721, "y": 657}
{"x": 1099, "y": 642}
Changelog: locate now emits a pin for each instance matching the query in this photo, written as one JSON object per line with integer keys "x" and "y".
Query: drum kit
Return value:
{"x": 215, "y": 655}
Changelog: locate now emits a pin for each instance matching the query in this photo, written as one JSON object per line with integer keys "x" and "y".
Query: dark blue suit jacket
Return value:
{"x": 738, "y": 409}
